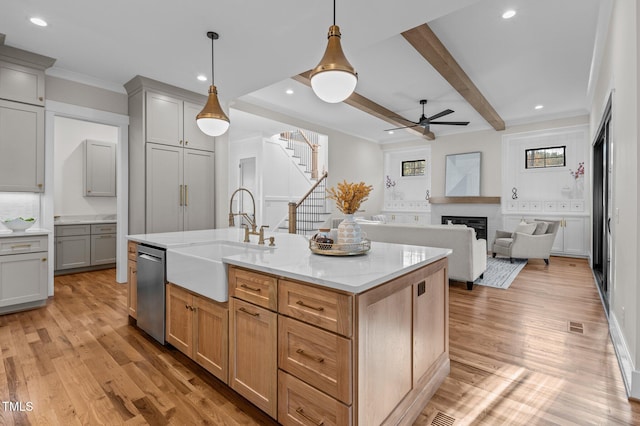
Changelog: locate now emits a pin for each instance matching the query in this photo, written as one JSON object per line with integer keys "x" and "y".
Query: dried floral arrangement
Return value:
{"x": 349, "y": 196}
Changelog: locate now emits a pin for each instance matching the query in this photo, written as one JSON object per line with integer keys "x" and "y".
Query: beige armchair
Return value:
{"x": 527, "y": 242}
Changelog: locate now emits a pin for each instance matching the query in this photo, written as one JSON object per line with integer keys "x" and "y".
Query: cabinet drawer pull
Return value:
{"x": 250, "y": 288}
{"x": 313, "y": 357}
{"x": 17, "y": 246}
{"x": 186, "y": 195}
{"x": 301, "y": 303}
{"x": 300, "y": 411}
{"x": 253, "y": 314}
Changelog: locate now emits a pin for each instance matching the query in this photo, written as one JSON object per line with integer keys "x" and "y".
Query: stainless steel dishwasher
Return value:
{"x": 151, "y": 291}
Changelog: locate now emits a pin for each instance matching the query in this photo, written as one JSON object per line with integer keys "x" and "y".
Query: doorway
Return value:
{"x": 602, "y": 207}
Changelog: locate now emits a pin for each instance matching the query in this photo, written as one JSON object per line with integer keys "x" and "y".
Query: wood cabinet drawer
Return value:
{"x": 17, "y": 245}
{"x": 301, "y": 404}
{"x": 132, "y": 251}
{"x": 324, "y": 308}
{"x": 253, "y": 287}
{"x": 319, "y": 358}
{"x": 103, "y": 228}
{"x": 72, "y": 230}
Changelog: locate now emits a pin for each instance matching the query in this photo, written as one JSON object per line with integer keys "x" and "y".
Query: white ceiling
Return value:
{"x": 541, "y": 56}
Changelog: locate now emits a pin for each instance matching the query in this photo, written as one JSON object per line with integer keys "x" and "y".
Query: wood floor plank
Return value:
{"x": 513, "y": 360}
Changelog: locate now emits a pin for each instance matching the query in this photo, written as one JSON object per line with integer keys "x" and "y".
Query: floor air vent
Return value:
{"x": 442, "y": 419}
{"x": 576, "y": 327}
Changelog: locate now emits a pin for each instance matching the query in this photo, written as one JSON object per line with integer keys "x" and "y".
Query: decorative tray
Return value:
{"x": 335, "y": 249}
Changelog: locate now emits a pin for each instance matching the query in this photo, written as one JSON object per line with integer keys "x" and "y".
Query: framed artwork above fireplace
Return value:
{"x": 462, "y": 174}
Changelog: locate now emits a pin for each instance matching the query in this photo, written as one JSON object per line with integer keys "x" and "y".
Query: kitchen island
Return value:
{"x": 314, "y": 339}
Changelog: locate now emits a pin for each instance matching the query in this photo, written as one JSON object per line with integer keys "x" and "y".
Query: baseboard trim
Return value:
{"x": 630, "y": 376}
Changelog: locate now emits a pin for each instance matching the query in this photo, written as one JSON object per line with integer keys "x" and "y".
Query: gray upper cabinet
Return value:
{"x": 99, "y": 169}
{"x": 171, "y": 121}
{"x": 21, "y": 84}
{"x": 21, "y": 147}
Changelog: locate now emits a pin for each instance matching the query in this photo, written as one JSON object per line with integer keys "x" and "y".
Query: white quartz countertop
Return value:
{"x": 7, "y": 233}
{"x": 291, "y": 258}
{"x": 84, "y": 219}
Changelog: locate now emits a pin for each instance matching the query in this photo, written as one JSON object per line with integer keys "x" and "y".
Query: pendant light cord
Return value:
{"x": 212, "y": 74}
{"x": 334, "y": 12}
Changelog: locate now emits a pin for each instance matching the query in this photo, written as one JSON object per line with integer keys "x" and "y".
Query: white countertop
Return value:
{"x": 84, "y": 219}
{"x": 6, "y": 233}
{"x": 291, "y": 258}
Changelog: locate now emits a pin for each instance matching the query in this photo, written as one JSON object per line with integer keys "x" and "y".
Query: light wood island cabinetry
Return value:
{"x": 198, "y": 327}
{"x": 132, "y": 279}
{"x": 336, "y": 351}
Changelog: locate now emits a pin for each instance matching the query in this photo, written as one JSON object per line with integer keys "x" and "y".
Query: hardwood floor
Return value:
{"x": 513, "y": 360}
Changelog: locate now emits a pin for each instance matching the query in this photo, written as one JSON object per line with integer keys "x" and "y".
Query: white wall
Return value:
{"x": 68, "y": 160}
{"x": 619, "y": 73}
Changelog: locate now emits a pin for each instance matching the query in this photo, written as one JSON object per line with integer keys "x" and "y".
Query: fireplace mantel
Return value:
{"x": 464, "y": 200}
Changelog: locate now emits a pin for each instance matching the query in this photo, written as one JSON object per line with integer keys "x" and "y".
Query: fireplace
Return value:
{"x": 476, "y": 222}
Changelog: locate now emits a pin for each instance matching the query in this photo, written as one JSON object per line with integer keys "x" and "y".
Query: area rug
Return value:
{"x": 500, "y": 272}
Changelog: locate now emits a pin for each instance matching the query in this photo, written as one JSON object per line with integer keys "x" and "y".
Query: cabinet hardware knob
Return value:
{"x": 40, "y": 98}
{"x": 186, "y": 142}
{"x": 44, "y": 259}
{"x": 180, "y": 141}
{"x": 318, "y": 308}
{"x": 250, "y": 288}
{"x": 39, "y": 185}
{"x": 313, "y": 357}
{"x": 300, "y": 411}
{"x": 253, "y": 314}
{"x": 88, "y": 190}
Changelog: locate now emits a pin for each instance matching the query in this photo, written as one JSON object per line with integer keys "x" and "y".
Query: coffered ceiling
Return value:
{"x": 543, "y": 55}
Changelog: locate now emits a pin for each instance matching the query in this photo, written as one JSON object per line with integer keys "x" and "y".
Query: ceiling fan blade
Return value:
{"x": 440, "y": 114}
{"x": 398, "y": 128}
{"x": 450, "y": 123}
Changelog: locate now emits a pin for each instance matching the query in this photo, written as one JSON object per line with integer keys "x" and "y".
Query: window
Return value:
{"x": 413, "y": 168}
{"x": 540, "y": 158}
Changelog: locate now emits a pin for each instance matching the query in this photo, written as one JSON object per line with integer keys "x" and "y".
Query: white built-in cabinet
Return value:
{"x": 171, "y": 178}
{"x": 23, "y": 272}
{"x": 572, "y": 238}
{"x": 22, "y": 120}
{"x": 99, "y": 168}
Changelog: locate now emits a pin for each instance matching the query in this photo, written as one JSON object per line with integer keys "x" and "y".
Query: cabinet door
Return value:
{"x": 193, "y": 136}
{"x": 103, "y": 249}
{"x": 211, "y": 348}
{"x": 575, "y": 232}
{"x": 198, "y": 190}
{"x": 179, "y": 319}
{"x": 73, "y": 252}
{"x": 252, "y": 355}
{"x": 21, "y": 147}
{"x": 99, "y": 169}
{"x": 430, "y": 337}
{"x": 132, "y": 281}
{"x": 165, "y": 191}
{"x": 23, "y": 278}
{"x": 164, "y": 119}
{"x": 21, "y": 84}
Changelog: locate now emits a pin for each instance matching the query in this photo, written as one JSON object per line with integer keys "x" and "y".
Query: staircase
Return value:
{"x": 309, "y": 213}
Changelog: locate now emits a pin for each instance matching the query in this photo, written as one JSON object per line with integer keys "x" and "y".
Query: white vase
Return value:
{"x": 349, "y": 231}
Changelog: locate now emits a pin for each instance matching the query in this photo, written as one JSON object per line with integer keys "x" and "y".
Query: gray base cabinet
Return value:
{"x": 23, "y": 273}
{"x": 85, "y": 246}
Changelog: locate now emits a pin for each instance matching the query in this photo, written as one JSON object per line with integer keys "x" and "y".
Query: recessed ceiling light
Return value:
{"x": 38, "y": 21}
{"x": 390, "y": 132}
{"x": 202, "y": 77}
{"x": 289, "y": 92}
{"x": 539, "y": 106}
{"x": 509, "y": 14}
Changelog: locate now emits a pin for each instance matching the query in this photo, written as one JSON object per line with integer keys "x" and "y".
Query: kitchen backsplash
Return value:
{"x": 15, "y": 204}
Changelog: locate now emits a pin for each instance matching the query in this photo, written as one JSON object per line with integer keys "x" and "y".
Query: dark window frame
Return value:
{"x": 414, "y": 168}
{"x": 545, "y": 165}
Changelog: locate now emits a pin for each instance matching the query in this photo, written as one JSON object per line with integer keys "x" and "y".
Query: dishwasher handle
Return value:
{"x": 149, "y": 257}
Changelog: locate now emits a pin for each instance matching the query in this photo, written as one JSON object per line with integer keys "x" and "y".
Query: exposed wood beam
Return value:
{"x": 367, "y": 105}
{"x": 424, "y": 40}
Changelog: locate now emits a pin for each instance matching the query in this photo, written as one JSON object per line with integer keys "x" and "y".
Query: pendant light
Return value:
{"x": 212, "y": 120}
{"x": 334, "y": 79}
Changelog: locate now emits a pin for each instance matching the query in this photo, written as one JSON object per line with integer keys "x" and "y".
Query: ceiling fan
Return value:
{"x": 427, "y": 121}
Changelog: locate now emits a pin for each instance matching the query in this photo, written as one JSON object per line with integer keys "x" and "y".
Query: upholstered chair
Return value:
{"x": 530, "y": 240}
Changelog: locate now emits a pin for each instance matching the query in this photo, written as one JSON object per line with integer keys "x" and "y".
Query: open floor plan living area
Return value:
{"x": 337, "y": 212}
